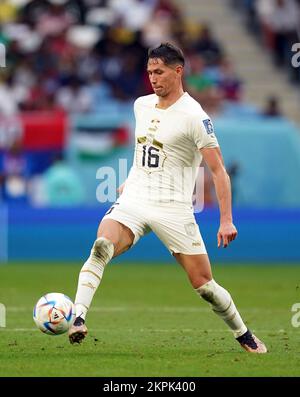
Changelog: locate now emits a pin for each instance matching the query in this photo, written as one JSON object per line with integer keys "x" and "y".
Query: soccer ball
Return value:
{"x": 54, "y": 313}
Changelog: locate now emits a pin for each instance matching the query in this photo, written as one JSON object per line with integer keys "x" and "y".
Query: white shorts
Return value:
{"x": 175, "y": 226}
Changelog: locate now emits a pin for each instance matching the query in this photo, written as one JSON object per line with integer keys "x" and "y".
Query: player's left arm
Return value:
{"x": 121, "y": 188}
{"x": 213, "y": 158}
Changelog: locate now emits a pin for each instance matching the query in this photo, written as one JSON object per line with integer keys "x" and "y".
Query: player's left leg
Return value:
{"x": 199, "y": 273}
{"x": 178, "y": 230}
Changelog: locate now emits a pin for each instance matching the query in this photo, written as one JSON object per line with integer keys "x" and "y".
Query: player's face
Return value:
{"x": 163, "y": 78}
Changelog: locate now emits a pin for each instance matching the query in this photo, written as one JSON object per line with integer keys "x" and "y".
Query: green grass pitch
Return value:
{"x": 147, "y": 321}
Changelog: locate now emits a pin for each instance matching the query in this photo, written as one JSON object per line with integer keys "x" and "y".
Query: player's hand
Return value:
{"x": 121, "y": 188}
{"x": 227, "y": 233}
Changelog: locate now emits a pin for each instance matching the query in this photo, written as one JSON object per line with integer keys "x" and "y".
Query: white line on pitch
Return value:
{"x": 204, "y": 331}
{"x": 162, "y": 309}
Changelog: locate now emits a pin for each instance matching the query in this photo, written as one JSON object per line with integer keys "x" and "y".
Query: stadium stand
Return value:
{"x": 276, "y": 25}
{"x": 74, "y": 68}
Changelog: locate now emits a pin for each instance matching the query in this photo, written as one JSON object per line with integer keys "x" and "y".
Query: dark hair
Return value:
{"x": 168, "y": 53}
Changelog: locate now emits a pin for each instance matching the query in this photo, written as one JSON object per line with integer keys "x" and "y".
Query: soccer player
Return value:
{"x": 173, "y": 134}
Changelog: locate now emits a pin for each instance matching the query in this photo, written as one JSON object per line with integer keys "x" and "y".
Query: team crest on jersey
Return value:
{"x": 208, "y": 126}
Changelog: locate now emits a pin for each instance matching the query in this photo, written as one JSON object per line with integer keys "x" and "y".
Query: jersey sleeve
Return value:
{"x": 136, "y": 106}
{"x": 202, "y": 132}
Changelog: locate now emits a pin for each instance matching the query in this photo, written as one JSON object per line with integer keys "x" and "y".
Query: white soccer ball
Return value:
{"x": 54, "y": 313}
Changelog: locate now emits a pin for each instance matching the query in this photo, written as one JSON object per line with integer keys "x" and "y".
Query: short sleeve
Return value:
{"x": 136, "y": 106}
{"x": 202, "y": 132}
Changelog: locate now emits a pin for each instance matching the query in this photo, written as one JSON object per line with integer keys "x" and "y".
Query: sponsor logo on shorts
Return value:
{"x": 190, "y": 229}
{"x": 196, "y": 244}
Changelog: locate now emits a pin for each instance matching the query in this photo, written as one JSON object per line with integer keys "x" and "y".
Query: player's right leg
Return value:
{"x": 113, "y": 238}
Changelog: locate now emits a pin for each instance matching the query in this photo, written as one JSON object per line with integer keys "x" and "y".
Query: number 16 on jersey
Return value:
{"x": 150, "y": 157}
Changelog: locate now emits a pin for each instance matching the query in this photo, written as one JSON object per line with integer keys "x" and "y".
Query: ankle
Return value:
{"x": 79, "y": 321}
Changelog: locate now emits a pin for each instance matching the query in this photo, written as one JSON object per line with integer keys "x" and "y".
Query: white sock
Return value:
{"x": 91, "y": 274}
{"x": 222, "y": 304}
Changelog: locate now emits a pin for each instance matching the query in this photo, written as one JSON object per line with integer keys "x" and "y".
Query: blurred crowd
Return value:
{"x": 78, "y": 54}
{"x": 83, "y": 56}
{"x": 276, "y": 24}
{"x": 86, "y": 56}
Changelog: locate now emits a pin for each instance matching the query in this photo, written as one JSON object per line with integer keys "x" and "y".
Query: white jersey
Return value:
{"x": 167, "y": 156}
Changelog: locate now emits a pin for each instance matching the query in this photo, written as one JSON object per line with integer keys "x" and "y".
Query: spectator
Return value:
{"x": 8, "y": 102}
{"x": 208, "y": 47}
{"x": 168, "y": 8}
{"x": 159, "y": 27}
{"x": 282, "y": 18}
{"x": 99, "y": 91}
{"x": 33, "y": 10}
{"x": 74, "y": 98}
{"x": 197, "y": 77}
{"x": 229, "y": 83}
{"x": 8, "y": 11}
{"x": 11, "y": 131}
{"x": 54, "y": 20}
{"x": 128, "y": 85}
{"x": 14, "y": 174}
{"x": 272, "y": 108}
{"x": 202, "y": 87}
{"x": 133, "y": 13}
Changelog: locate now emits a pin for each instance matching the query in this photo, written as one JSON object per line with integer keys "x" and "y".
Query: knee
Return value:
{"x": 119, "y": 247}
{"x": 108, "y": 236}
{"x": 200, "y": 280}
